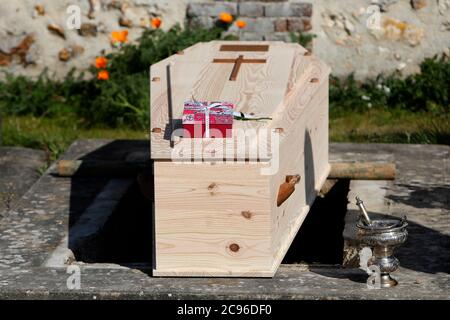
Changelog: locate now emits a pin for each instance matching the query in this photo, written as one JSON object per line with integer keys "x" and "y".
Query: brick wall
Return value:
{"x": 266, "y": 20}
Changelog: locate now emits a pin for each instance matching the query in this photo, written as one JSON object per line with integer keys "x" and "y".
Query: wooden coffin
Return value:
{"x": 222, "y": 209}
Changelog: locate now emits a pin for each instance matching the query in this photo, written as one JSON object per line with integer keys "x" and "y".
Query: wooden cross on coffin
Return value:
{"x": 240, "y": 59}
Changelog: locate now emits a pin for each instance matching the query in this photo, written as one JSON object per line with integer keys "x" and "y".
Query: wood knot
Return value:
{"x": 307, "y": 53}
{"x": 279, "y": 130}
{"x": 314, "y": 80}
{"x": 157, "y": 130}
{"x": 234, "y": 247}
{"x": 212, "y": 187}
{"x": 247, "y": 214}
{"x": 156, "y": 79}
{"x": 180, "y": 52}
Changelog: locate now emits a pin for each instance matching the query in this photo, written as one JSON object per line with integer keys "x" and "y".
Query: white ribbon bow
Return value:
{"x": 219, "y": 105}
{"x": 207, "y": 109}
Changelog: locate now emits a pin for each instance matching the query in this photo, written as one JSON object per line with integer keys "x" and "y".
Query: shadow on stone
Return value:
{"x": 124, "y": 236}
{"x": 353, "y": 274}
{"x": 19, "y": 170}
{"x": 426, "y": 250}
{"x": 424, "y": 196}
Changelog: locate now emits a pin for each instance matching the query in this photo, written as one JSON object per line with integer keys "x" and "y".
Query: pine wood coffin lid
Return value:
{"x": 266, "y": 79}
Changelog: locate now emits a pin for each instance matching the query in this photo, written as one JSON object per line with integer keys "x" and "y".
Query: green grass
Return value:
{"x": 390, "y": 126}
{"x": 54, "y": 135}
{"x": 50, "y": 114}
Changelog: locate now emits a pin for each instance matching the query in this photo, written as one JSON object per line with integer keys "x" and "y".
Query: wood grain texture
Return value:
{"x": 223, "y": 219}
{"x": 259, "y": 89}
{"x": 303, "y": 151}
{"x": 302, "y": 91}
{"x": 202, "y": 210}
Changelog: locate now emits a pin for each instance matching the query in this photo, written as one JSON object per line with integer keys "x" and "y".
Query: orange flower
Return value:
{"x": 103, "y": 75}
{"x": 226, "y": 17}
{"x": 156, "y": 23}
{"x": 101, "y": 62}
{"x": 241, "y": 24}
{"x": 119, "y": 36}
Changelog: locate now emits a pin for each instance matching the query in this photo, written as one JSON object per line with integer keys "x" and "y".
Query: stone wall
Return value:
{"x": 364, "y": 37}
{"x": 266, "y": 20}
{"x": 350, "y": 35}
{"x": 350, "y": 38}
{"x": 34, "y": 34}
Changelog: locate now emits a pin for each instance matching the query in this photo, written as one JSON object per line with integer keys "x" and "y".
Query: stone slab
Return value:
{"x": 35, "y": 228}
{"x": 19, "y": 169}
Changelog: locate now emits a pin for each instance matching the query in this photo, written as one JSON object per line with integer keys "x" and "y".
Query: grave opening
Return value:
{"x": 126, "y": 238}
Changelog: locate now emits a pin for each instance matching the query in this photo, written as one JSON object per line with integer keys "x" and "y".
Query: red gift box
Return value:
{"x": 198, "y": 117}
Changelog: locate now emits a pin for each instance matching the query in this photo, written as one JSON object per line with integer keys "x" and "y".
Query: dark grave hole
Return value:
{"x": 126, "y": 238}
{"x": 320, "y": 239}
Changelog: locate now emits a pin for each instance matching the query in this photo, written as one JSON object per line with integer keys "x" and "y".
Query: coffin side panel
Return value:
{"x": 303, "y": 151}
{"x": 211, "y": 220}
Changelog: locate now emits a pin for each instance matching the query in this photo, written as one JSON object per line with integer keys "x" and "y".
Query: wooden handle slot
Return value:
{"x": 287, "y": 188}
